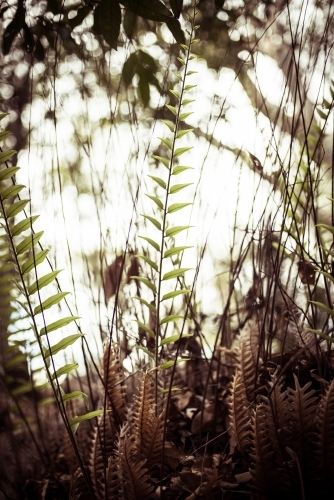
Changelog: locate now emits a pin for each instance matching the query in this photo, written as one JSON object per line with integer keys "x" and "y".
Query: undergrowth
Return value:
{"x": 254, "y": 419}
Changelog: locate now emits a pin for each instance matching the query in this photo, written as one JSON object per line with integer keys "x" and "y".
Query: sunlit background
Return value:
{"x": 90, "y": 133}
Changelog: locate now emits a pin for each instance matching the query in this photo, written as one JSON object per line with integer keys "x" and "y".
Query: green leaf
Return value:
{"x": 172, "y": 109}
{"x": 64, "y": 370}
{"x": 182, "y": 133}
{"x": 323, "y": 306}
{"x": 11, "y": 191}
{"x": 321, "y": 334}
{"x": 179, "y": 169}
{"x": 4, "y": 135}
{"x": 23, "y": 225}
{"x": 174, "y": 92}
{"x": 170, "y": 319}
{"x": 151, "y": 307}
{"x": 15, "y": 361}
{"x": 146, "y": 328}
{"x": 5, "y": 155}
{"x": 107, "y": 21}
{"x": 327, "y": 275}
{"x": 179, "y": 77}
{"x": 43, "y": 281}
{"x": 51, "y": 301}
{"x": 189, "y": 87}
{"x": 67, "y": 341}
{"x": 169, "y": 124}
{"x": 195, "y": 40}
{"x": 28, "y": 242}
{"x": 180, "y": 151}
{"x": 149, "y": 9}
{"x": 185, "y": 47}
{"x": 167, "y": 142}
{"x": 171, "y": 295}
{"x": 58, "y": 324}
{"x": 149, "y": 262}
{"x": 75, "y": 394}
{"x": 175, "y": 28}
{"x": 326, "y": 226}
{"x": 6, "y": 173}
{"x": 170, "y": 363}
{"x": 34, "y": 261}
{"x": 185, "y": 102}
{"x": 164, "y": 161}
{"x": 174, "y": 338}
{"x": 87, "y": 416}
{"x": 182, "y": 61}
{"x": 177, "y": 187}
{"x": 189, "y": 73}
{"x": 22, "y": 389}
{"x": 155, "y": 222}
{"x": 16, "y": 208}
{"x": 177, "y": 206}
{"x": 156, "y": 200}
{"x": 323, "y": 115}
{"x": 159, "y": 181}
{"x": 326, "y": 104}
{"x": 146, "y": 351}
{"x": 184, "y": 116}
{"x": 172, "y": 231}
{"x": 175, "y": 273}
{"x": 175, "y": 251}
{"x": 146, "y": 282}
{"x": 151, "y": 242}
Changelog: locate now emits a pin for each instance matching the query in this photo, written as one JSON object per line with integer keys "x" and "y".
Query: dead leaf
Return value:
{"x": 306, "y": 272}
{"x": 113, "y": 277}
{"x": 256, "y": 163}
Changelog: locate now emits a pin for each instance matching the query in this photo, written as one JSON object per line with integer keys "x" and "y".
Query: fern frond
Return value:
{"x": 113, "y": 382}
{"x": 113, "y": 482}
{"x": 247, "y": 359}
{"x": 325, "y": 445}
{"x": 103, "y": 445}
{"x": 148, "y": 428}
{"x": 78, "y": 489}
{"x": 239, "y": 413}
{"x": 267, "y": 477}
{"x": 134, "y": 476}
{"x": 303, "y": 411}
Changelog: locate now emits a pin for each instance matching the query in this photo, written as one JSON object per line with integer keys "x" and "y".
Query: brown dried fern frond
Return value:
{"x": 79, "y": 489}
{"x": 113, "y": 382}
{"x": 239, "y": 414}
{"x": 325, "y": 445}
{"x": 268, "y": 480}
{"x": 209, "y": 489}
{"x": 248, "y": 360}
{"x": 113, "y": 482}
{"x": 147, "y": 427}
{"x": 102, "y": 447}
{"x": 303, "y": 411}
{"x": 134, "y": 478}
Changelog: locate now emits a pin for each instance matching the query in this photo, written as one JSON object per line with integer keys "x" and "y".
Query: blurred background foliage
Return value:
{"x": 86, "y": 83}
